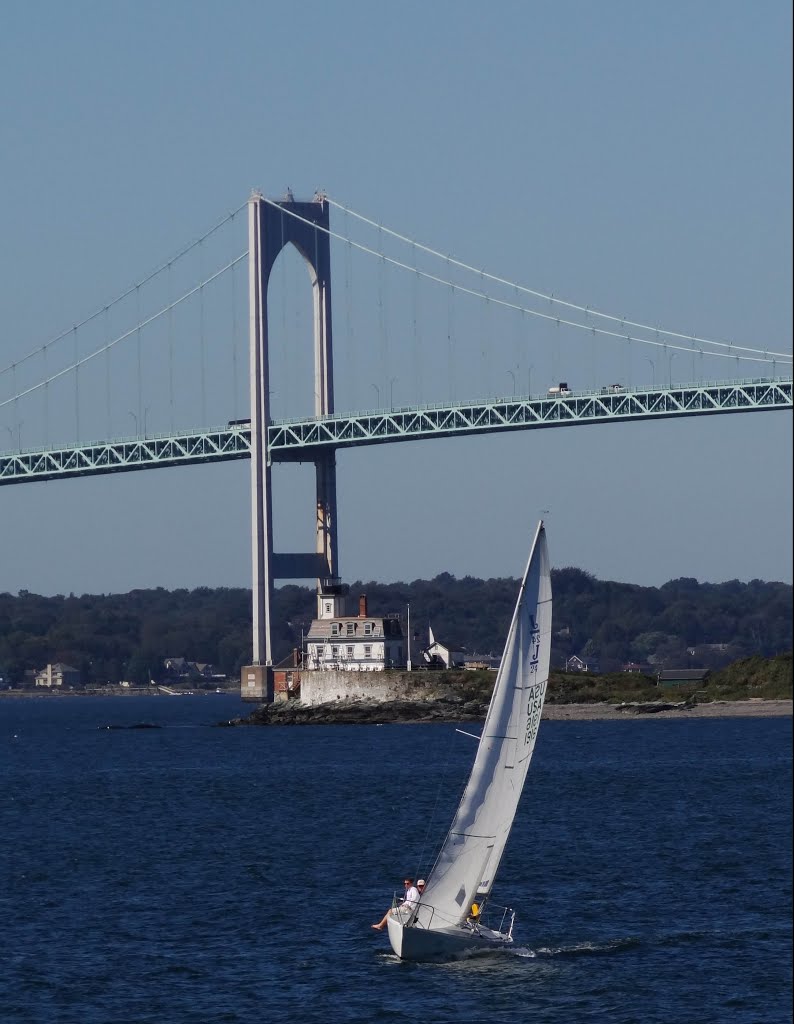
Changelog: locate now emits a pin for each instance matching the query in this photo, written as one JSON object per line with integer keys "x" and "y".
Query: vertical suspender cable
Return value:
{"x": 202, "y": 342}
{"x": 170, "y": 329}
{"x": 629, "y": 354}
{"x": 286, "y": 386}
{"x": 450, "y": 340}
{"x": 517, "y": 320}
{"x": 352, "y": 376}
{"x": 384, "y": 374}
{"x": 47, "y": 400}
{"x": 139, "y": 419}
{"x": 107, "y": 373}
{"x": 594, "y": 350}
{"x": 16, "y": 407}
{"x": 76, "y": 385}
{"x": 236, "y": 405}
{"x": 485, "y": 340}
{"x": 415, "y": 312}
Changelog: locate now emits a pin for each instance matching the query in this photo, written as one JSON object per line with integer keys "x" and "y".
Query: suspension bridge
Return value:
{"x": 190, "y": 341}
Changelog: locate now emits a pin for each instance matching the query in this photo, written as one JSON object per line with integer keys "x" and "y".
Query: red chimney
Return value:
{"x": 362, "y": 606}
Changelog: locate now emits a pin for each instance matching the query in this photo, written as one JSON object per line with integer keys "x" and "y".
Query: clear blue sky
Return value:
{"x": 635, "y": 158}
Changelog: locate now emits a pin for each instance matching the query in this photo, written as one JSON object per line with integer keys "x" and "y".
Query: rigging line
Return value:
{"x": 524, "y": 309}
{"x": 122, "y": 337}
{"x": 443, "y": 774}
{"x": 542, "y": 295}
{"x": 128, "y": 292}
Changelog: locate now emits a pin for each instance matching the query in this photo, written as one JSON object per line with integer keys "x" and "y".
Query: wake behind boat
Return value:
{"x": 453, "y": 915}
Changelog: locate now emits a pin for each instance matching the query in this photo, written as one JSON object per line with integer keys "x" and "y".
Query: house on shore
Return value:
{"x": 59, "y": 676}
{"x": 352, "y": 642}
{"x": 577, "y": 664}
{"x": 441, "y": 655}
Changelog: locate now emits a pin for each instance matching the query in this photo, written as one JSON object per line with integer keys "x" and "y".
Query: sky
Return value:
{"x": 632, "y": 158}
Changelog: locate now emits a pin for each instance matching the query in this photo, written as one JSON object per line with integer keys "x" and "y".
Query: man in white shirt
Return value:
{"x": 409, "y": 902}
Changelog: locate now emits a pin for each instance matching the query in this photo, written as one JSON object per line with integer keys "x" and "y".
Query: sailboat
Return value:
{"x": 453, "y": 915}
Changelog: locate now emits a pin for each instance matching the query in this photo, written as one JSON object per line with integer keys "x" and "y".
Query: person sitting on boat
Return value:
{"x": 474, "y": 915}
{"x": 408, "y": 902}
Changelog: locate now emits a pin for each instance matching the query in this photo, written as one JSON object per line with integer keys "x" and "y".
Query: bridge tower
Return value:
{"x": 270, "y": 228}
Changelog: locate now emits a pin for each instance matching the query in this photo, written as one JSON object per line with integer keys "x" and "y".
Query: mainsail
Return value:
{"x": 467, "y": 863}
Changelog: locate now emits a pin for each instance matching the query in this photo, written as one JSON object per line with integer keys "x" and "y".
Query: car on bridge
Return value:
{"x": 612, "y": 389}
{"x": 560, "y": 389}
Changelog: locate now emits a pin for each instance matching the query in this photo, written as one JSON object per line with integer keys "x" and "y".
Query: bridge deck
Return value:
{"x": 298, "y": 440}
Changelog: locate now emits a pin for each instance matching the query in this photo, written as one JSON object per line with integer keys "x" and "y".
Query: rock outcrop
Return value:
{"x": 356, "y": 712}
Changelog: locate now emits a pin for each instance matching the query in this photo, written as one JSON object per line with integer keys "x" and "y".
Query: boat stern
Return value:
{"x": 396, "y": 932}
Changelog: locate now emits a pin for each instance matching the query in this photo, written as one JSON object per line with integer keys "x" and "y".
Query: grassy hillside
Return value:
{"x": 768, "y": 678}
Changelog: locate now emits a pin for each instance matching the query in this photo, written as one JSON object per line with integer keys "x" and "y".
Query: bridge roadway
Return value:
{"x": 299, "y": 440}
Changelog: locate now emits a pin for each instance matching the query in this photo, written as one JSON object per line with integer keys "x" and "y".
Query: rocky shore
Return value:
{"x": 363, "y": 712}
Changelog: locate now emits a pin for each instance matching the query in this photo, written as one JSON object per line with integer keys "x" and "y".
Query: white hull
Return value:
{"x": 417, "y": 943}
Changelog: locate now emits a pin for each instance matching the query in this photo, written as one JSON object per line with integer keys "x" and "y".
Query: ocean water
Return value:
{"x": 190, "y": 874}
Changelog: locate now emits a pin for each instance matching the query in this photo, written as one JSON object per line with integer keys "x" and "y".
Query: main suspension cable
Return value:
{"x": 587, "y": 310}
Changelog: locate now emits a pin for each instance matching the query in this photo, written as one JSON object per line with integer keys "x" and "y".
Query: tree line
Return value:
{"x": 110, "y": 637}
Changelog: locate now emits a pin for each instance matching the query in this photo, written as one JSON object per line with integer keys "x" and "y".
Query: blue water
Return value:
{"x": 196, "y": 874}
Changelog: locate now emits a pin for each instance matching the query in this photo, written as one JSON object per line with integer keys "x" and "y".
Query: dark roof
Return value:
{"x": 684, "y": 673}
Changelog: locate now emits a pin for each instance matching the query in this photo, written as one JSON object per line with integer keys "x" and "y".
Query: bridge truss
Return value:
{"x": 300, "y": 440}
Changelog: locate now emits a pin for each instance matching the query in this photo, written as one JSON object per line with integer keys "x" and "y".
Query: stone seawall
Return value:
{"x": 331, "y": 687}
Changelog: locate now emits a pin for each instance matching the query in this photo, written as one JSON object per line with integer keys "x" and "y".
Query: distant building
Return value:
{"x": 487, "y": 662}
{"x": 636, "y": 667}
{"x": 677, "y": 676}
{"x": 440, "y": 655}
{"x": 181, "y": 668}
{"x": 177, "y": 666}
{"x": 58, "y": 676}
{"x": 577, "y": 664}
{"x": 357, "y": 642}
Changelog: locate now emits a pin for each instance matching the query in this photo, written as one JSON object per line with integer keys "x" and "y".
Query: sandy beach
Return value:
{"x": 752, "y": 708}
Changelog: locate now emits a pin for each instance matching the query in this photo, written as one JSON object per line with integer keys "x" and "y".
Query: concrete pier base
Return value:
{"x": 256, "y": 684}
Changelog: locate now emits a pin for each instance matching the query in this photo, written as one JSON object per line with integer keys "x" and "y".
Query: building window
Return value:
{"x": 351, "y": 628}
{"x": 367, "y": 651}
{"x": 334, "y": 651}
{"x": 349, "y": 650}
{"x": 368, "y": 629}
{"x": 334, "y": 629}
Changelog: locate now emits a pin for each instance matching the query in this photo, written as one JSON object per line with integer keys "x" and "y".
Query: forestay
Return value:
{"x": 466, "y": 866}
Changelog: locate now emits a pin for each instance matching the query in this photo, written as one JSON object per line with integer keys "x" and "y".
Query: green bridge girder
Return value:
{"x": 299, "y": 440}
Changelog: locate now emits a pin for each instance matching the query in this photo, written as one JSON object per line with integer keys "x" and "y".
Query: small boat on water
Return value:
{"x": 453, "y": 915}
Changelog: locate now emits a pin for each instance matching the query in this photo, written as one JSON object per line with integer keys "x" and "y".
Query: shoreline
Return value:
{"x": 423, "y": 712}
{"x": 753, "y": 707}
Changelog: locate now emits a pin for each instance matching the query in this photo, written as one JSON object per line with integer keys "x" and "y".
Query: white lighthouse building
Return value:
{"x": 359, "y": 642}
